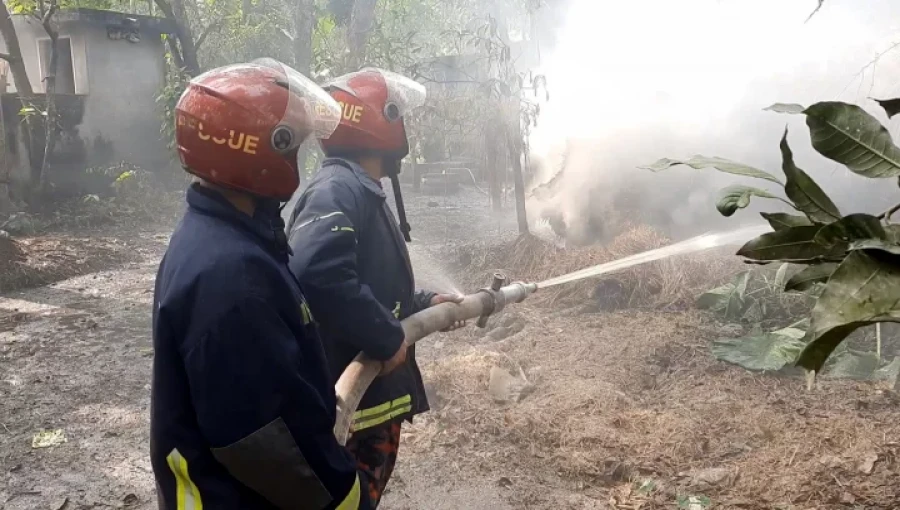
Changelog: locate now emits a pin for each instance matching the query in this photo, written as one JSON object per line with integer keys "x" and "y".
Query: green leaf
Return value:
{"x": 809, "y": 277}
{"x": 807, "y": 196}
{"x": 891, "y": 106}
{"x": 723, "y": 165}
{"x": 781, "y": 221}
{"x": 851, "y": 136}
{"x": 765, "y": 352}
{"x": 855, "y": 227}
{"x": 786, "y": 108}
{"x": 876, "y": 244}
{"x": 729, "y": 299}
{"x": 796, "y": 244}
{"x": 861, "y": 366}
{"x": 863, "y": 290}
{"x": 738, "y": 197}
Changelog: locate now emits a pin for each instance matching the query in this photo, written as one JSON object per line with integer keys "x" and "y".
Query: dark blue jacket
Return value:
{"x": 243, "y": 407}
{"x": 354, "y": 268}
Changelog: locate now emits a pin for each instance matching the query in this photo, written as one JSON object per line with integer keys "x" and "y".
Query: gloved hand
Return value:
{"x": 449, "y": 298}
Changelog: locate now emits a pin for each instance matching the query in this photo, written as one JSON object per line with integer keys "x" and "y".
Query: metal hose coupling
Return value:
{"x": 501, "y": 293}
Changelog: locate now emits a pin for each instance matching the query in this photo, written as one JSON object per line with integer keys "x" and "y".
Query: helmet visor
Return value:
{"x": 403, "y": 94}
{"x": 309, "y": 106}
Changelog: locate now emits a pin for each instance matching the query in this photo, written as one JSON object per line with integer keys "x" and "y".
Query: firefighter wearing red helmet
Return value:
{"x": 352, "y": 262}
{"x": 242, "y": 404}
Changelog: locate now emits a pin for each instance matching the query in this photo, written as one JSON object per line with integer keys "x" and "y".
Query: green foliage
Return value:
{"x": 738, "y": 197}
{"x": 768, "y": 352}
{"x": 752, "y": 296}
{"x": 853, "y": 261}
{"x": 176, "y": 81}
{"x": 730, "y": 300}
{"x": 720, "y": 164}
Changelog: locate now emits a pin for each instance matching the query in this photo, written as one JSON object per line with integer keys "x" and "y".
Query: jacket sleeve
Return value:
{"x": 422, "y": 300}
{"x": 264, "y": 418}
{"x": 323, "y": 238}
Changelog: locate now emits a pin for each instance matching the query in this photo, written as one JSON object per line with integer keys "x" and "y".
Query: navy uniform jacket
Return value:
{"x": 354, "y": 268}
{"x": 242, "y": 405}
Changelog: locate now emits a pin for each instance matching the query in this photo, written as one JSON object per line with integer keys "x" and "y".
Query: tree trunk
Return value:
{"x": 362, "y": 19}
{"x": 304, "y": 24}
{"x": 38, "y": 180}
{"x": 514, "y": 144}
{"x": 188, "y": 50}
{"x": 492, "y": 150}
{"x": 14, "y": 57}
{"x": 24, "y": 91}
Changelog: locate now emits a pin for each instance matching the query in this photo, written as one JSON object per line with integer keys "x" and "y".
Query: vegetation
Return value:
{"x": 851, "y": 262}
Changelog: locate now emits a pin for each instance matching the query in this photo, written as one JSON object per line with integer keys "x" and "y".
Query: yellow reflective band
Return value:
{"x": 351, "y": 502}
{"x": 342, "y": 229}
{"x": 397, "y": 310}
{"x": 186, "y": 493}
{"x": 307, "y": 314}
{"x": 381, "y": 413}
{"x": 378, "y": 420}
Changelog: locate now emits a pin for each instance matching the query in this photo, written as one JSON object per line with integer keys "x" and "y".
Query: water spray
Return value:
{"x": 491, "y": 300}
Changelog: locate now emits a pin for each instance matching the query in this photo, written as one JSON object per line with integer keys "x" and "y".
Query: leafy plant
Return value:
{"x": 854, "y": 260}
{"x": 752, "y": 296}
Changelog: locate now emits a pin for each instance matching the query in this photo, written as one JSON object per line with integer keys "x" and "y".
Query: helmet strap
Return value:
{"x": 392, "y": 169}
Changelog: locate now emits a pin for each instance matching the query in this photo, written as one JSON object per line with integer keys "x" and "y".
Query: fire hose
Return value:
{"x": 363, "y": 370}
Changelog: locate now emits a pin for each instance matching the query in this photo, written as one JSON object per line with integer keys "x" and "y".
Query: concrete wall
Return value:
{"x": 124, "y": 79}
{"x": 119, "y": 81}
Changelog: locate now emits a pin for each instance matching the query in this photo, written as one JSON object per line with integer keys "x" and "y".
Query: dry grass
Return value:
{"x": 626, "y": 397}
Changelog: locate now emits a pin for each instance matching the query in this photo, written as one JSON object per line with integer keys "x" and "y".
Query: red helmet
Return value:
{"x": 240, "y": 126}
{"x": 373, "y": 104}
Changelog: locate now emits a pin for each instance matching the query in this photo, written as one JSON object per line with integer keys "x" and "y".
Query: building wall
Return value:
{"x": 121, "y": 113}
{"x": 118, "y": 82}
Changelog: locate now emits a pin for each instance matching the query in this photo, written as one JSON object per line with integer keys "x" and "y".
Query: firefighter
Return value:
{"x": 242, "y": 405}
{"x": 352, "y": 262}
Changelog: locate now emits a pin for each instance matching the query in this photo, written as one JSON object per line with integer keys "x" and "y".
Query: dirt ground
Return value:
{"x": 621, "y": 409}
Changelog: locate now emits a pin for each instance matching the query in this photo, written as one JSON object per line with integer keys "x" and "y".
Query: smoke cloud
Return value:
{"x": 632, "y": 82}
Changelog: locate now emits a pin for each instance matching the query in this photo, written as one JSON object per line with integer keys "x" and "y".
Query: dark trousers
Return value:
{"x": 375, "y": 450}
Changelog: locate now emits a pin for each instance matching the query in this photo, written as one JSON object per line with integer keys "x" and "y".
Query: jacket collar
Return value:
{"x": 266, "y": 226}
{"x": 364, "y": 178}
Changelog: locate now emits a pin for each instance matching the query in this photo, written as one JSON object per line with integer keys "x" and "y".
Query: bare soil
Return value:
{"x": 623, "y": 409}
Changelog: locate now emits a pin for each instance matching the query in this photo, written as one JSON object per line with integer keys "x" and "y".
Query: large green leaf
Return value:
{"x": 861, "y": 366}
{"x": 891, "y": 106}
{"x": 807, "y": 196}
{"x": 795, "y": 244}
{"x": 851, "y": 136}
{"x": 876, "y": 244}
{"x": 855, "y": 227}
{"x": 810, "y": 276}
{"x": 767, "y": 352}
{"x": 781, "y": 221}
{"x": 738, "y": 197}
{"x": 720, "y": 164}
{"x": 863, "y": 290}
{"x": 729, "y": 299}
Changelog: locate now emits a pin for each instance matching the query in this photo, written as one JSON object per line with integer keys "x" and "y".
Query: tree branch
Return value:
{"x": 886, "y": 215}
{"x": 48, "y": 16}
{"x": 818, "y": 7}
{"x": 208, "y": 30}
